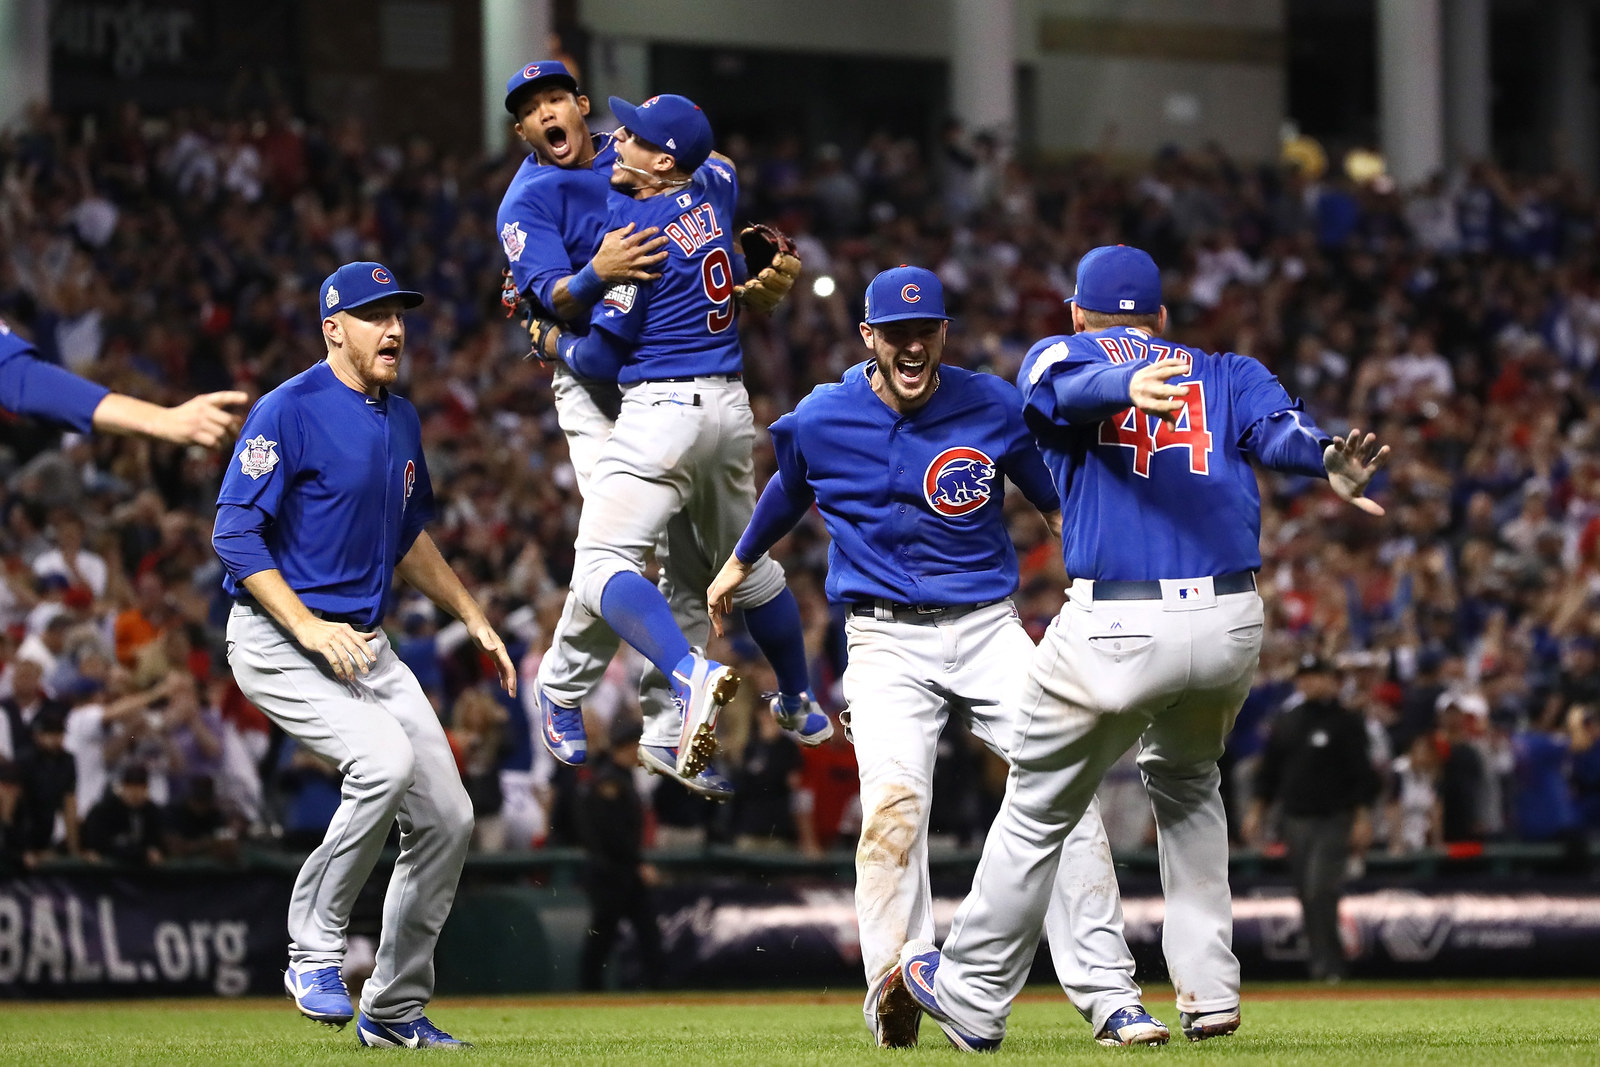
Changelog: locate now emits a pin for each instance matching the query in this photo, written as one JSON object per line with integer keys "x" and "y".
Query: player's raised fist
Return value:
{"x": 1151, "y": 393}
{"x": 1352, "y": 461}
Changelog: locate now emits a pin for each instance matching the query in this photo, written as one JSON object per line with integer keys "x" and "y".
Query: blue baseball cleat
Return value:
{"x": 562, "y": 730}
{"x": 1132, "y": 1026}
{"x": 319, "y": 993}
{"x": 803, "y": 717}
{"x": 418, "y": 1033}
{"x": 702, "y": 686}
{"x": 1199, "y": 1025}
{"x": 919, "y": 963}
{"x": 709, "y": 783}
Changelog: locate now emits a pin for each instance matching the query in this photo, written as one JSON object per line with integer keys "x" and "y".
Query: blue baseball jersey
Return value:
{"x": 682, "y": 324}
{"x": 336, "y": 483}
{"x": 914, "y": 504}
{"x": 552, "y": 220}
{"x": 1146, "y": 500}
{"x": 30, "y": 386}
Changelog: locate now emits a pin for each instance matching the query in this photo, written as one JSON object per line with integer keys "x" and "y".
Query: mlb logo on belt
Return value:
{"x": 958, "y": 482}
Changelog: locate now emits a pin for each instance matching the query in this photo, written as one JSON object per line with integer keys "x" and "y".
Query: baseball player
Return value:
{"x": 30, "y": 386}
{"x": 560, "y": 261}
{"x": 326, "y": 502}
{"x": 680, "y": 450}
{"x": 1149, "y": 443}
{"x": 906, "y": 459}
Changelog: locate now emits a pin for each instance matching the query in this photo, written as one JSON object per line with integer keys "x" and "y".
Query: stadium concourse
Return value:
{"x": 175, "y": 253}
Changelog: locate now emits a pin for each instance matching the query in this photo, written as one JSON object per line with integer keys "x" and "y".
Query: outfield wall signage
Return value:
{"x": 110, "y": 936}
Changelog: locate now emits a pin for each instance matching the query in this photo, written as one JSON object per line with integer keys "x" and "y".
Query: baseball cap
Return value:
{"x": 673, "y": 123}
{"x": 544, "y": 70}
{"x": 355, "y": 284}
{"x": 905, "y": 293}
{"x": 1118, "y": 280}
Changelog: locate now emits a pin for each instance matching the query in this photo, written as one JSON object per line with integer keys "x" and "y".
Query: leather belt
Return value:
{"x": 1222, "y": 584}
{"x": 888, "y": 609}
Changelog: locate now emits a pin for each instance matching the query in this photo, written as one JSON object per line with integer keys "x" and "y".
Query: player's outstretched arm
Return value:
{"x": 1352, "y": 462}
{"x": 428, "y": 573}
{"x": 203, "y": 420}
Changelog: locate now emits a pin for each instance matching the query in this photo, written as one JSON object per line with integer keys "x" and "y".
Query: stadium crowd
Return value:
{"x": 169, "y": 254}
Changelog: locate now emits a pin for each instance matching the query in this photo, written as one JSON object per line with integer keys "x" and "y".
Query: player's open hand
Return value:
{"x": 719, "y": 597}
{"x": 625, "y": 256}
{"x": 1152, "y": 395}
{"x": 484, "y": 636}
{"x": 203, "y": 420}
{"x": 1351, "y": 463}
{"x": 347, "y": 650}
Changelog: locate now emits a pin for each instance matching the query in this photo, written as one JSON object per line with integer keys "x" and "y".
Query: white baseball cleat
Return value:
{"x": 702, "y": 687}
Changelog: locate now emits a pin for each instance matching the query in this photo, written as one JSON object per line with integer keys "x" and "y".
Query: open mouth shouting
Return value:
{"x": 389, "y": 354}
{"x": 557, "y": 145}
{"x": 911, "y": 372}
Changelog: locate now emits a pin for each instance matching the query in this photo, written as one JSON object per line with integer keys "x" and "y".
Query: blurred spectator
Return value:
{"x": 771, "y": 808}
{"x": 13, "y": 831}
{"x": 49, "y": 783}
{"x": 1463, "y": 774}
{"x": 18, "y": 712}
{"x": 69, "y": 559}
{"x": 310, "y": 787}
{"x": 1416, "y": 815}
{"x": 478, "y": 735}
{"x": 143, "y": 622}
{"x": 196, "y": 825}
{"x": 125, "y": 826}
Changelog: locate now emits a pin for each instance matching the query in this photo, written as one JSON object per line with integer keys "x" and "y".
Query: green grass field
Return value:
{"x": 1365, "y": 1025}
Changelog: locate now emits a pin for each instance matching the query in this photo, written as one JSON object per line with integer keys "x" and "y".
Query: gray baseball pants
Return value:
{"x": 583, "y": 644}
{"x": 384, "y": 737}
{"x": 1171, "y": 675}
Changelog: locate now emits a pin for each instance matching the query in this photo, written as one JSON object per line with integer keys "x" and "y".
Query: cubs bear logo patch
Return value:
{"x": 958, "y": 482}
{"x": 258, "y": 457}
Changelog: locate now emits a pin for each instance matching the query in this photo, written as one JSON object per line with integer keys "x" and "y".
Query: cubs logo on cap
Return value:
{"x": 355, "y": 284}
{"x": 905, "y": 292}
{"x": 537, "y": 74}
{"x": 958, "y": 482}
{"x": 1118, "y": 280}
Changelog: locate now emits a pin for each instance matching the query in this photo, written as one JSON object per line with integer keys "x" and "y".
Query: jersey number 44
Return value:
{"x": 1147, "y": 434}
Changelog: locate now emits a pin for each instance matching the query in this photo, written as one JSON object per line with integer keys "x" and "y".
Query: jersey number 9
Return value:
{"x": 716, "y": 277}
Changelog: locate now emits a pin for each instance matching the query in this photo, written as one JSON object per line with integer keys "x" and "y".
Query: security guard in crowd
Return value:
{"x": 618, "y": 881}
{"x": 1318, "y": 768}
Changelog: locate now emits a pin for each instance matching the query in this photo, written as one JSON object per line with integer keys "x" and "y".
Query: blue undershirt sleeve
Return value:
{"x": 30, "y": 386}
{"x": 598, "y": 354}
{"x": 1287, "y": 441}
{"x": 780, "y": 507}
{"x": 239, "y": 538}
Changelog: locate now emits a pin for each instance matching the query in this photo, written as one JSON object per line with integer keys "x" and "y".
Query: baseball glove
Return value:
{"x": 538, "y": 328}
{"x": 773, "y": 263}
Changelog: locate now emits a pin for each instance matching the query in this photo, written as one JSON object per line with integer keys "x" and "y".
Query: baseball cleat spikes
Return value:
{"x": 709, "y": 783}
{"x": 898, "y": 1016}
{"x": 701, "y": 687}
{"x": 1200, "y": 1025}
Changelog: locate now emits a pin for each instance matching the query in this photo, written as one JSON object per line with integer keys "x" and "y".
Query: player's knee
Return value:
{"x": 389, "y": 769}
{"x": 889, "y": 827}
{"x": 590, "y": 576}
{"x": 455, "y": 814}
{"x": 766, "y": 581}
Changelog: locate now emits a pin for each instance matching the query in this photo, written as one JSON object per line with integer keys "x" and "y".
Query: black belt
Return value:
{"x": 352, "y": 621}
{"x": 917, "y": 612}
{"x": 736, "y": 377}
{"x": 1222, "y": 585}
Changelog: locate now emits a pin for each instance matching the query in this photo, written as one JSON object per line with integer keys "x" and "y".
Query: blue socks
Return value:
{"x": 637, "y": 611}
{"x": 776, "y": 629}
